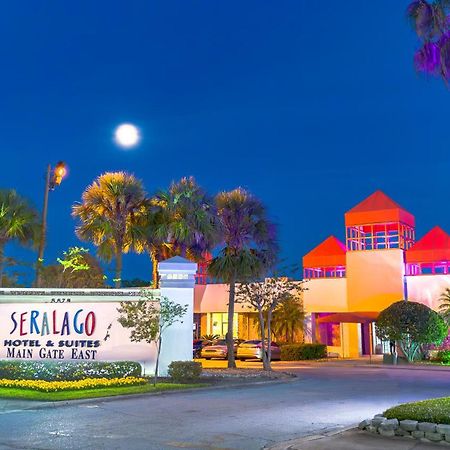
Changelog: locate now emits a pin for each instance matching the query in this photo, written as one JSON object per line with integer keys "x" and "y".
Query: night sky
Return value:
{"x": 310, "y": 105}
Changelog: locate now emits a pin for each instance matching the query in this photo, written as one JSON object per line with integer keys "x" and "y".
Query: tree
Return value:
{"x": 182, "y": 221}
{"x": 112, "y": 216}
{"x": 19, "y": 222}
{"x": 265, "y": 297}
{"x": 288, "y": 318}
{"x": 444, "y": 307}
{"x": 431, "y": 22}
{"x": 76, "y": 269}
{"x": 411, "y": 325}
{"x": 148, "y": 319}
{"x": 249, "y": 247}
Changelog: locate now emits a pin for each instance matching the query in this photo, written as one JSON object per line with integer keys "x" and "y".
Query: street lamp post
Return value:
{"x": 52, "y": 179}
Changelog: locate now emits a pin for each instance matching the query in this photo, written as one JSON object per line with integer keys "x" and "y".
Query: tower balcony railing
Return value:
{"x": 379, "y": 236}
{"x": 324, "y": 272}
{"x": 428, "y": 268}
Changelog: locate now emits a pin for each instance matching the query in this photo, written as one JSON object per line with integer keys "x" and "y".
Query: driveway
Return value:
{"x": 322, "y": 398}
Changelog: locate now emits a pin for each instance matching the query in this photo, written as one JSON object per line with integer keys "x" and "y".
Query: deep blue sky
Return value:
{"x": 310, "y": 105}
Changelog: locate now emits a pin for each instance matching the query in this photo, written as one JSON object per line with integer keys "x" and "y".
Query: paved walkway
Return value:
{"x": 364, "y": 362}
{"x": 355, "y": 440}
{"x": 321, "y": 399}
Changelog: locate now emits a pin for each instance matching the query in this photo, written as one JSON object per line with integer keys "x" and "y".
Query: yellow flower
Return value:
{"x": 87, "y": 383}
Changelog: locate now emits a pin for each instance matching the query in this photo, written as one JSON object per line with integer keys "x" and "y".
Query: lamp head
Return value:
{"x": 59, "y": 172}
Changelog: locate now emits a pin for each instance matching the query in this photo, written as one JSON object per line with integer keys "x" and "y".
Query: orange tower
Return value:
{"x": 378, "y": 231}
{"x": 379, "y": 223}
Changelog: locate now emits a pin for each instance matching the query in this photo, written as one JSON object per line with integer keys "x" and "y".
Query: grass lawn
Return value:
{"x": 436, "y": 410}
{"x": 29, "y": 394}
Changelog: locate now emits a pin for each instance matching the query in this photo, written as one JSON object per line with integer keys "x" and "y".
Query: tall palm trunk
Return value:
{"x": 2, "y": 262}
{"x": 229, "y": 337}
{"x": 117, "y": 279}
{"x": 155, "y": 273}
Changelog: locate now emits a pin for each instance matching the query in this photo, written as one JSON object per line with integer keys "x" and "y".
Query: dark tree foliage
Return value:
{"x": 411, "y": 325}
{"x": 136, "y": 282}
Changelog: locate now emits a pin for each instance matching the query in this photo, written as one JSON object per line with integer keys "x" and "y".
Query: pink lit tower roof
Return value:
{"x": 433, "y": 247}
{"x": 378, "y": 208}
{"x": 330, "y": 253}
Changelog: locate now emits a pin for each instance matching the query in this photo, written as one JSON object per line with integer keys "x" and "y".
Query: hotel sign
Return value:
{"x": 68, "y": 331}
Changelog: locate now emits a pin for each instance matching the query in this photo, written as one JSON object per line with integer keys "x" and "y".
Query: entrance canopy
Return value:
{"x": 350, "y": 317}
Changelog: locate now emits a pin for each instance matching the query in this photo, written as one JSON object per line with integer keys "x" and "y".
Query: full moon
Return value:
{"x": 127, "y": 135}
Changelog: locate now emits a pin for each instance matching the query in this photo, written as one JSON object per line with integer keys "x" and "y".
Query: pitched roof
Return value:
{"x": 329, "y": 253}
{"x": 433, "y": 247}
{"x": 378, "y": 208}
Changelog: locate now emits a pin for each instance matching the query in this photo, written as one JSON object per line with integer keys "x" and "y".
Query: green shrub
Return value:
{"x": 297, "y": 352}
{"x": 184, "y": 371}
{"x": 436, "y": 410}
{"x": 68, "y": 371}
{"x": 443, "y": 356}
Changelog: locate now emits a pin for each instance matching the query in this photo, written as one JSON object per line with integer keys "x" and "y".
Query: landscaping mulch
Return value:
{"x": 224, "y": 376}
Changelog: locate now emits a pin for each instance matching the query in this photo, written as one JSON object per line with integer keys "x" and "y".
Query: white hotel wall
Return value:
{"x": 427, "y": 289}
{"x": 213, "y": 298}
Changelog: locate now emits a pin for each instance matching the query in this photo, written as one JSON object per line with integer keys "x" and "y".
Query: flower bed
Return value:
{"x": 87, "y": 383}
{"x": 67, "y": 371}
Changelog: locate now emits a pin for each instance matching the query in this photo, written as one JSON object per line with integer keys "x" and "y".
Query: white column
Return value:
{"x": 177, "y": 283}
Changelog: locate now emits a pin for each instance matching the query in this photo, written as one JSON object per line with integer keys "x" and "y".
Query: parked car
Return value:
{"x": 197, "y": 345}
{"x": 253, "y": 350}
{"x": 217, "y": 349}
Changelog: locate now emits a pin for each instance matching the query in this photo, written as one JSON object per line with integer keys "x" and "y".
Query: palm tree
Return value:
{"x": 181, "y": 221}
{"x": 112, "y": 216}
{"x": 19, "y": 221}
{"x": 249, "y": 247}
{"x": 288, "y": 319}
{"x": 444, "y": 307}
{"x": 431, "y": 22}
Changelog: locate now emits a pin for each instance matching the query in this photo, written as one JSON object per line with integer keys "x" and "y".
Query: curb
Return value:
{"x": 386, "y": 366}
{"x": 292, "y": 443}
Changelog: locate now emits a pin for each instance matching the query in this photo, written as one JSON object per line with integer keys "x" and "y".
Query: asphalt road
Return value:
{"x": 250, "y": 417}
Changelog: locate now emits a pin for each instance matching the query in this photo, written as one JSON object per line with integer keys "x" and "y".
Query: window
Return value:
{"x": 379, "y": 236}
{"x": 435, "y": 268}
{"x": 324, "y": 272}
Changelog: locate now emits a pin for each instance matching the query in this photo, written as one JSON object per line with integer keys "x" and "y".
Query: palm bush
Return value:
{"x": 431, "y": 22}
{"x": 112, "y": 216}
{"x": 248, "y": 247}
{"x": 182, "y": 221}
{"x": 19, "y": 222}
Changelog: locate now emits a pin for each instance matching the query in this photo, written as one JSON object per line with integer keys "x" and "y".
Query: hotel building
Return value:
{"x": 349, "y": 282}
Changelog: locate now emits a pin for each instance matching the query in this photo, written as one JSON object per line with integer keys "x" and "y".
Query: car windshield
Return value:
{"x": 259, "y": 342}
{"x": 220, "y": 342}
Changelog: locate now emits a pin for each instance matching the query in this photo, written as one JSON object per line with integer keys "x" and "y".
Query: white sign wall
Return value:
{"x": 69, "y": 332}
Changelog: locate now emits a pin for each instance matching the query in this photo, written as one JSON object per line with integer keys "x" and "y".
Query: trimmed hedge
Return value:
{"x": 67, "y": 371}
{"x": 184, "y": 371}
{"x": 443, "y": 356}
{"x": 298, "y": 352}
{"x": 435, "y": 410}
